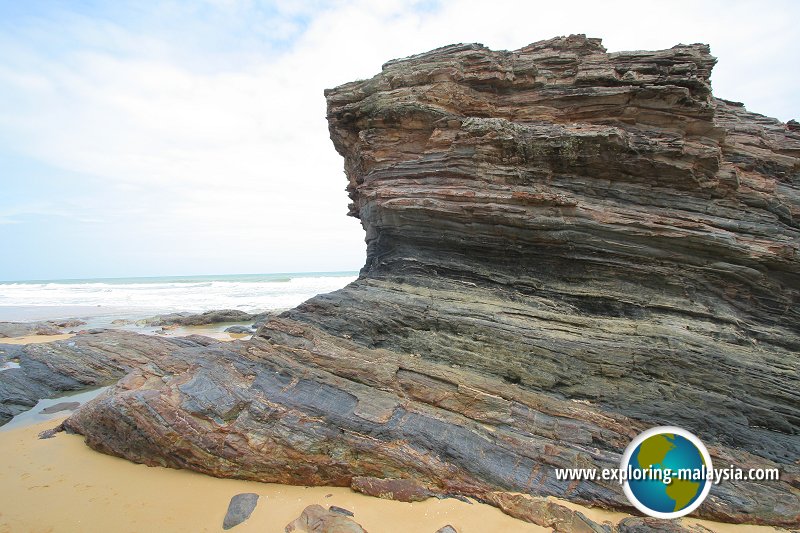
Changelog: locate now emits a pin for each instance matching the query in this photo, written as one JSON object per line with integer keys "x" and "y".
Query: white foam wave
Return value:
{"x": 174, "y": 296}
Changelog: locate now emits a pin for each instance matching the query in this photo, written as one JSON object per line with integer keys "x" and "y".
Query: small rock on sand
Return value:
{"x": 447, "y": 529}
{"x": 340, "y": 510}
{"x": 317, "y": 519}
{"x": 50, "y": 433}
{"x": 240, "y": 508}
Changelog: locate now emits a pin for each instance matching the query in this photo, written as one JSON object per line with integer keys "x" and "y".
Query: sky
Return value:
{"x": 189, "y": 137}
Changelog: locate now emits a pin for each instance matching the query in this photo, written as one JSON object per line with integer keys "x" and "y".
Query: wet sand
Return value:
{"x": 35, "y": 339}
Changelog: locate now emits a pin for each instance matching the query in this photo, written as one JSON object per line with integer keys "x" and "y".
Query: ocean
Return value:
{"x": 146, "y": 296}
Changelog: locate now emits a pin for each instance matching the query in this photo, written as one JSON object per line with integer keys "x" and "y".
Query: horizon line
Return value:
{"x": 112, "y": 278}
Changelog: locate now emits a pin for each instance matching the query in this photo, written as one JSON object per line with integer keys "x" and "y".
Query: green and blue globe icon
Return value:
{"x": 666, "y": 471}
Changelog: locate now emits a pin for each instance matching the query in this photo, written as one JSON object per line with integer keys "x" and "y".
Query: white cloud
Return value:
{"x": 213, "y": 131}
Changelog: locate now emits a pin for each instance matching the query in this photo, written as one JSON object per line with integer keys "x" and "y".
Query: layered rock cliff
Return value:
{"x": 565, "y": 247}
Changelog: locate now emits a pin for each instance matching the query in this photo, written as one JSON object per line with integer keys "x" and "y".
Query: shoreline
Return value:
{"x": 141, "y": 297}
{"x": 131, "y": 323}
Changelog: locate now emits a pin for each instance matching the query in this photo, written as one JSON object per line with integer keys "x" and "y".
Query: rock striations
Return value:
{"x": 91, "y": 359}
{"x": 565, "y": 247}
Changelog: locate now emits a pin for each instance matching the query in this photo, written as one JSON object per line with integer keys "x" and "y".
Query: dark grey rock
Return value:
{"x": 190, "y": 319}
{"x": 340, "y": 510}
{"x": 49, "y": 327}
{"x": 82, "y": 362}
{"x": 62, "y": 406}
{"x": 458, "y": 497}
{"x": 69, "y": 323}
{"x": 245, "y": 330}
{"x": 447, "y": 529}
{"x": 10, "y": 352}
{"x": 50, "y": 433}
{"x": 240, "y": 508}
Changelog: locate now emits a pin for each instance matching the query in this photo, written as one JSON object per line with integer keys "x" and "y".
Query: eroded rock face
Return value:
{"x": 565, "y": 247}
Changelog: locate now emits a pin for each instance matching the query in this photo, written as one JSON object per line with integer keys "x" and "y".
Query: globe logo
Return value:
{"x": 665, "y": 471}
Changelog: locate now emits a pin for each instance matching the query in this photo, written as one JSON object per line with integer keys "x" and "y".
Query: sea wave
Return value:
{"x": 248, "y": 293}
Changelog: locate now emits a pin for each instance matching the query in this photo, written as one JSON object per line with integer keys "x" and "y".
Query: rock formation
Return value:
{"x": 565, "y": 247}
{"x": 217, "y": 316}
{"x": 49, "y": 327}
{"x": 85, "y": 361}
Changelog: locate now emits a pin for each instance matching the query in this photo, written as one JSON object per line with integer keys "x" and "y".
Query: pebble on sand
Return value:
{"x": 240, "y": 508}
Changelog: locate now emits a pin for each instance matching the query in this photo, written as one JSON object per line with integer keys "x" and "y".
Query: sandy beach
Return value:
{"x": 61, "y": 485}
{"x": 35, "y": 339}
